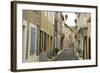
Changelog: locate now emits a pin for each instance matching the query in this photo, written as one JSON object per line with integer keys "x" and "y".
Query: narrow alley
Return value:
{"x": 55, "y": 36}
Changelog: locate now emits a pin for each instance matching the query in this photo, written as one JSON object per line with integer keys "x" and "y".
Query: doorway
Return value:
{"x": 85, "y": 47}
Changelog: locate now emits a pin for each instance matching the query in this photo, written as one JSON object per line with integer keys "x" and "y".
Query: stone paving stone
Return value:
{"x": 67, "y": 54}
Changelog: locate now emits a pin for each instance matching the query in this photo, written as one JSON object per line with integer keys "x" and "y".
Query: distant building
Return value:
{"x": 69, "y": 35}
{"x": 83, "y": 22}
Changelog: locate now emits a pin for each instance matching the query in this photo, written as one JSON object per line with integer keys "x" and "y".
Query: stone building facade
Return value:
{"x": 83, "y": 22}
{"x": 37, "y": 34}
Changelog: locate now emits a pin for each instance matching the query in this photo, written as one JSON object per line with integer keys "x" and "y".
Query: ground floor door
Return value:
{"x": 85, "y": 48}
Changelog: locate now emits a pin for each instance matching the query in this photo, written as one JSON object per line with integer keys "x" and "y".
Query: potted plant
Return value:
{"x": 56, "y": 50}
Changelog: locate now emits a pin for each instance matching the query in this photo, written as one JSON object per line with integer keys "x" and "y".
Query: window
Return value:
{"x": 32, "y": 38}
{"x": 32, "y": 41}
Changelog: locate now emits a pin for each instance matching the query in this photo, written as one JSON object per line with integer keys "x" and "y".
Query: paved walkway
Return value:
{"x": 43, "y": 57}
{"x": 67, "y": 54}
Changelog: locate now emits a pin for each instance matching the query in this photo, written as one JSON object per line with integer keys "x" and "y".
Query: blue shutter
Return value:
{"x": 32, "y": 41}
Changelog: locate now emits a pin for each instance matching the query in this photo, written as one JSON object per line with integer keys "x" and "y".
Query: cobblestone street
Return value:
{"x": 67, "y": 54}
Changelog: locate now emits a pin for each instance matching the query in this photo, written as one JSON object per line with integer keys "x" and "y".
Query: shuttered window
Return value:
{"x": 32, "y": 41}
